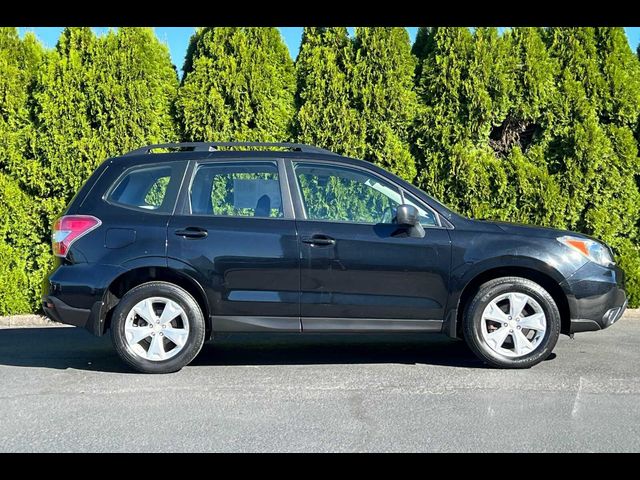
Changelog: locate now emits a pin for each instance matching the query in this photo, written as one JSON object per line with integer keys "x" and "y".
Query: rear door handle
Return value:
{"x": 192, "y": 232}
{"x": 319, "y": 240}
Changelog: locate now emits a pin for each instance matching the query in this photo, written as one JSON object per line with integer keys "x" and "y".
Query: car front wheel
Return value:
{"x": 157, "y": 327}
{"x": 512, "y": 322}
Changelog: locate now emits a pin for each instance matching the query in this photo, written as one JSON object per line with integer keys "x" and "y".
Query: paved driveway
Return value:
{"x": 64, "y": 390}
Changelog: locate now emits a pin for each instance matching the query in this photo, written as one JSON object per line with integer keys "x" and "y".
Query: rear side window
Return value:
{"x": 246, "y": 189}
{"x": 151, "y": 188}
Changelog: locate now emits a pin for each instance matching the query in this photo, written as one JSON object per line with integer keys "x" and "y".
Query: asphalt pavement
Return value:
{"x": 63, "y": 390}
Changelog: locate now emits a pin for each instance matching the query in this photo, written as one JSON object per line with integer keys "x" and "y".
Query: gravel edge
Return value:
{"x": 27, "y": 321}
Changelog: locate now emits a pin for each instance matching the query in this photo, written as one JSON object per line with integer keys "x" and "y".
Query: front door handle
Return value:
{"x": 192, "y": 232}
{"x": 319, "y": 240}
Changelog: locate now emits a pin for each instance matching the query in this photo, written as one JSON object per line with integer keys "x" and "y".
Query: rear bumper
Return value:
{"x": 87, "y": 318}
{"x": 73, "y": 294}
{"x": 60, "y": 312}
{"x": 596, "y": 297}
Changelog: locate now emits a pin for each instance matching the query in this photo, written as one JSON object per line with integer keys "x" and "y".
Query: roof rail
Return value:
{"x": 213, "y": 146}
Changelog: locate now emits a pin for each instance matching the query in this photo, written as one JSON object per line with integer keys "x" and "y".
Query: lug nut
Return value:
{"x": 161, "y": 334}
{"x": 505, "y": 324}
{"x": 510, "y": 331}
{"x": 519, "y": 327}
{"x": 509, "y": 317}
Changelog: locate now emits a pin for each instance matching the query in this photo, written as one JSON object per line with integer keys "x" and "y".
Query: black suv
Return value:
{"x": 167, "y": 250}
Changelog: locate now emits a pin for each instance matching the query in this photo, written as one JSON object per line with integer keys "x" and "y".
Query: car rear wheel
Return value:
{"x": 512, "y": 322}
{"x": 157, "y": 327}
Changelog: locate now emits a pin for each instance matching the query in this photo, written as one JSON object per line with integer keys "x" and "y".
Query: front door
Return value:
{"x": 359, "y": 270}
{"x": 237, "y": 237}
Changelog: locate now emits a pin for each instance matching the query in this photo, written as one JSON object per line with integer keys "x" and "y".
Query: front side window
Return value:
{"x": 145, "y": 187}
{"x": 341, "y": 194}
{"x": 243, "y": 189}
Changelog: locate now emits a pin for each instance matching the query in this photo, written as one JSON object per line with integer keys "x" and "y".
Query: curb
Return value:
{"x": 40, "y": 321}
{"x": 27, "y": 321}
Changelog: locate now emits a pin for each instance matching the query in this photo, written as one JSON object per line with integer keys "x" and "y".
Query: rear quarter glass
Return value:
{"x": 100, "y": 198}
{"x": 87, "y": 188}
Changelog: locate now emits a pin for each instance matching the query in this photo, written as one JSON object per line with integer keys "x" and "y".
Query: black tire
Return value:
{"x": 194, "y": 316}
{"x": 472, "y": 322}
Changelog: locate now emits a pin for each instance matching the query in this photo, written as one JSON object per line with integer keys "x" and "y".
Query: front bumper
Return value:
{"x": 596, "y": 297}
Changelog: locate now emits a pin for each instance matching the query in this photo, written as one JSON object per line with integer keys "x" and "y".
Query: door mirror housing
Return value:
{"x": 407, "y": 216}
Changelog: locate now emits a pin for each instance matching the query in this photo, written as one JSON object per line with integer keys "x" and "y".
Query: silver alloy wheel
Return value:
{"x": 156, "y": 329}
{"x": 513, "y": 324}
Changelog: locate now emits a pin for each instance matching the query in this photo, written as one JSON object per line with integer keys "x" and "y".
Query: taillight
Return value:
{"x": 70, "y": 228}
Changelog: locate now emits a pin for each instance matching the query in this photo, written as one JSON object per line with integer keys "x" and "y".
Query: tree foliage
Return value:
{"x": 25, "y": 257}
{"x": 356, "y": 96}
{"x": 19, "y": 62}
{"x": 384, "y": 96}
{"x": 534, "y": 125}
{"x": 325, "y": 112}
{"x": 96, "y": 98}
{"x": 238, "y": 84}
{"x": 88, "y": 99}
{"x": 594, "y": 153}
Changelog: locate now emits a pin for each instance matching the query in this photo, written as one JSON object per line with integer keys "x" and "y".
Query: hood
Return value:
{"x": 535, "y": 231}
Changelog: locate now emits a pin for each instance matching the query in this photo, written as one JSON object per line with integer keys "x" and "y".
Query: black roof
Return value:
{"x": 212, "y": 150}
{"x": 215, "y": 146}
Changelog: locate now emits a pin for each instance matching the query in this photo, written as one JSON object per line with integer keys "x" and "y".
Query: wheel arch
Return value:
{"x": 124, "y": 282}
{"x": 548, "y": 280}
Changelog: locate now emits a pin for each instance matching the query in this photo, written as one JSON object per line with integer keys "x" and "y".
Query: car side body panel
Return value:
{"x": 250, "y": 271}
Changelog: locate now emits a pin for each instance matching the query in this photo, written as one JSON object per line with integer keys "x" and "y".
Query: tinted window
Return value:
{"x": 333, "y": 193}
{"x": 247, "y": 189}
{"x": 145, "y": 188}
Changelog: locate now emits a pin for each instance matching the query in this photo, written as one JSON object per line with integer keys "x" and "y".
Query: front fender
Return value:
{"x": 476, "y": 254}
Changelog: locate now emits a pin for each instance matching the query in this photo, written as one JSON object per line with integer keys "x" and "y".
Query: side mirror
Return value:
{"x": 407, "y": 216}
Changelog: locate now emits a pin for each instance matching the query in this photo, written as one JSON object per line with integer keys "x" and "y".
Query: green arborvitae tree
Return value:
{"x": 485, "y": 98}
{"x": 19, "y": 62}
{"x": 383, "y": 89}
{"x": 239, "y": 84}
{"x": 135, "y": 90}
{"x": 422, "y": 47}
{"x": 620, "y": 115}
{"x": 489, "y": 83}
{"x": 96, "y": 98}
{"x": 24, "y": 256}
{"x": 87, "y": 100}
{"x": 465, "y": 86}
{"x": 442, "y": 56}
{"x": 593, "y": 152}
{"x": 534, "y": 74}
{"x": 325, "y": 115}
{"x": 524, "y": 135}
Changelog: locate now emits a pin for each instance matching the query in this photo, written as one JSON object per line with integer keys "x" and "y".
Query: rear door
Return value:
{"x": 235, "y": 233}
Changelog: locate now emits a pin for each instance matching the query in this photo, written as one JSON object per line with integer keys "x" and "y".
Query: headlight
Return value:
{"x": 594, "y": 251}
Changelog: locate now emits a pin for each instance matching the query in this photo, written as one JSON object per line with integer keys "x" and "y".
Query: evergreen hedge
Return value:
{"x": 536, "y": 125}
